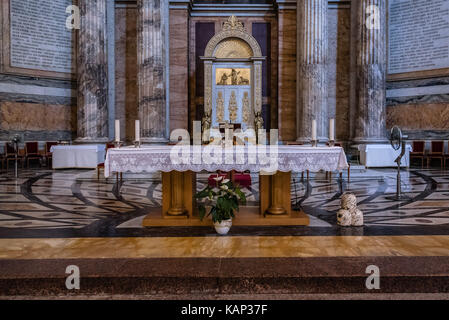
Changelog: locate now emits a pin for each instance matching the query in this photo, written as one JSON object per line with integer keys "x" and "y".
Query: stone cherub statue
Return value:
{"x": 349, "y": 215}
{"x": 205, "y": 126}
{"x": 258, "y": 121}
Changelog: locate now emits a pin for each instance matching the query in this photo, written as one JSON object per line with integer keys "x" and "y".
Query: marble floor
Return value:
{"x": 50, "y": 219}
{"x": 73, "y": 203}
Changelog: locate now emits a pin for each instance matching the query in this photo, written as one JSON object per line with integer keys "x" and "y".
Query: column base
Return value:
{"x": 87, "y": 140}
{"x": 370, "y": 141}
{"x": 154, "y": 140}
{"x": 307, "y": 141}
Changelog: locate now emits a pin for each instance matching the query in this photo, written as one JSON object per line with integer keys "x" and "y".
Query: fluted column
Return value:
{"x": 311, "y": 84}
{"x": 369, "y": 34}
{"x": 152, "y": 27}
{"x": 92, "y": 115}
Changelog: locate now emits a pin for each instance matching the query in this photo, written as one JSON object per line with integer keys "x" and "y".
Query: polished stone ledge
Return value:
{"x": 36, "y": 90}
{"x": 225, "y": 276}
{"x": 418, "y": 91}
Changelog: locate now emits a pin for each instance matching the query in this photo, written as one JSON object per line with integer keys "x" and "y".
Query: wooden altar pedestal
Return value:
{"x": 178, "y": 194}
{"x": 179, "y": 205}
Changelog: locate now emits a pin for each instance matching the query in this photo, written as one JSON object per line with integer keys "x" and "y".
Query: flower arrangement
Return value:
{"x": 224, "y": 199}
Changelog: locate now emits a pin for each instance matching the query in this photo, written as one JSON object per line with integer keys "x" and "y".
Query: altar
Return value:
{"x": 179, "y": 165}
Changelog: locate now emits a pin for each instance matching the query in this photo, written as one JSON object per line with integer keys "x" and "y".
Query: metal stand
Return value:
{"x": 314, "y": 143}
{"x": 331, "y": 143}
{"x": 16, "y": 149}
{"x": 399, "y": 196}
{"x": 137, "y": 144}
{"x": 296, "y": 207}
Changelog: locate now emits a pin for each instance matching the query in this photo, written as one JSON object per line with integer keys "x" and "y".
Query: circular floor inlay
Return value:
{"x": 23, "y": 223}
{"x": 423, "y": 220}
{"x": 51, "y": 214}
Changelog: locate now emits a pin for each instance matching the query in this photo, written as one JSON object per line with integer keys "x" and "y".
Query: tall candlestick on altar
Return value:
{"x": 332, "y": 129}
{"x": 117, "y": 130}
{"x": 137, "y": 134}
{"x": 313, "y": 130}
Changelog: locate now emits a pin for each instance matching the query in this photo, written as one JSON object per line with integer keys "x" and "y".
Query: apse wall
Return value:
{"x": 37, "y": 105}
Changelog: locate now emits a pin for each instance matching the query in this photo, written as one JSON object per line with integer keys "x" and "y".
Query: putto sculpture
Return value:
{"x": 349, "y": 214}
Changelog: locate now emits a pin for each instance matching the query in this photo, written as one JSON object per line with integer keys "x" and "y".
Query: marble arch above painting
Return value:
{"x": 232, "y": 28}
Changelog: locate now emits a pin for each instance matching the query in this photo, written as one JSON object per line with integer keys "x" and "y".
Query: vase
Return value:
{"x": 223, "y": 226}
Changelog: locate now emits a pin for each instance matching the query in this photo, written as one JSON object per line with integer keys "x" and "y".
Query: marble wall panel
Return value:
{"x": 179, "y": 69}
{"x": 37, "y": 109}
{"x": 16, "y": 116}
{"x": 287, "y": 75}
{"x": 430, "y": 116}
{"x": 126, "y": 107}
{"x": 423, "y": 115}
{"x": 339, "y": 30}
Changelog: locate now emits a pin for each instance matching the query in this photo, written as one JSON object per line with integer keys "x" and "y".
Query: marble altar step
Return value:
{"x": 186, "y": 277}
{"x": 247, "y": 216}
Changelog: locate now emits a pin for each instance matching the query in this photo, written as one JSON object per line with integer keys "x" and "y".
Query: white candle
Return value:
{"x": 313, "y": 130}
{"x": 117, "y": 130}
{"x": 332, "y": 129}
{"x": 137, "y": 134}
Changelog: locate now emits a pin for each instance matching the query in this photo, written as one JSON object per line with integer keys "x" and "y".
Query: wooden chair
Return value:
{"x": 10, "y": 155}
{"x": 32, "y": 153}
{"x": 109, "y": 145}
{"x": 48, "y": 154}
{"x": 446, "y": 156}
{"x": 436, "y": 152}
{"x": 2, "y": 159}
{"x": 418, "y": 151}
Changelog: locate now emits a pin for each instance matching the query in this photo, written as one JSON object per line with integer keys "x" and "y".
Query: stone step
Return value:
{"x": 224, "y": 276}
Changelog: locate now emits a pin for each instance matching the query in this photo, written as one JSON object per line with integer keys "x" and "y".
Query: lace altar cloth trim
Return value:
{"x": 240, "y": 158}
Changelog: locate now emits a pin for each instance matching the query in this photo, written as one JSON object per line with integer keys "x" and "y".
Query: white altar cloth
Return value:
{"x": 383, "y": 155}
{"x": 78, "y": 156}
{"x": 282, "y": 158}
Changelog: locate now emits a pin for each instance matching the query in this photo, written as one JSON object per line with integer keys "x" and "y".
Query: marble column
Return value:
{"x": 92, "y": 115}
{"x": 369, "y": 36}
{"x": 152, "y": 28}
{"x": 311, "y": 83}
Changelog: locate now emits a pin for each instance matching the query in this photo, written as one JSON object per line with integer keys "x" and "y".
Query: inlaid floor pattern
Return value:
{"x": 69, "y": 203}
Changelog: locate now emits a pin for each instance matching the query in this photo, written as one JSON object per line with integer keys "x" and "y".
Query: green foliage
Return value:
{"x": 223, "y": 199}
